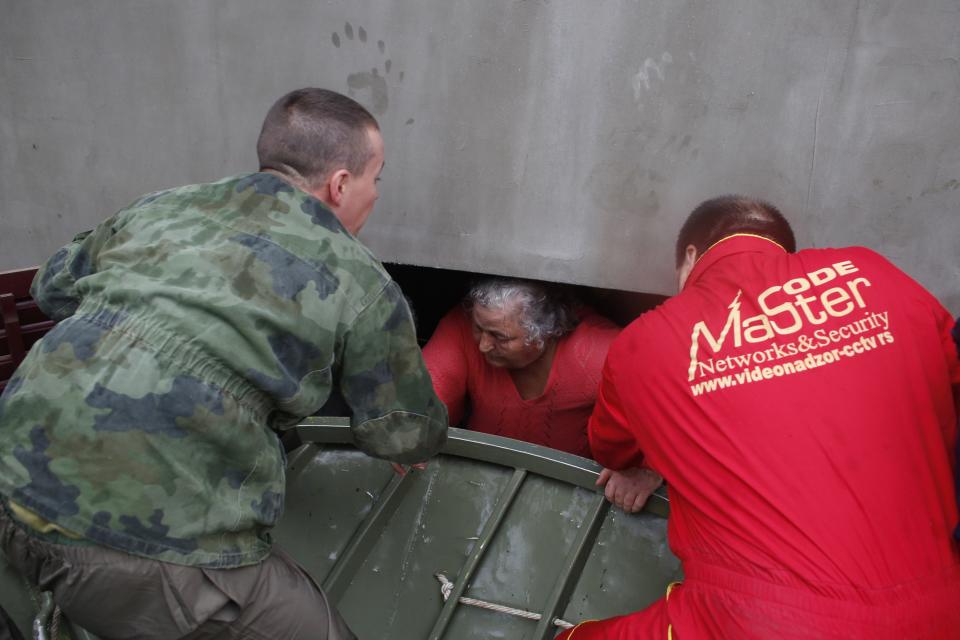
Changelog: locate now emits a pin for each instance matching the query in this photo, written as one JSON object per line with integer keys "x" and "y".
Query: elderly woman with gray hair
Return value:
{"x": 529, "y": 363}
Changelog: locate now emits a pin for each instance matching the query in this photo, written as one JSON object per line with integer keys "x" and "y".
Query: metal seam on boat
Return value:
{"x": 572, "y": 568}
{"x": 507, "y": 497}
{"x": 336, "y": 582}
{"x": 297, "y": 460}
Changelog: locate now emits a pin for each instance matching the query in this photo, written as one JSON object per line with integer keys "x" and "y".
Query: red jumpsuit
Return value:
{"x": 800, "y": 408}
{"x": 557, "y": 418}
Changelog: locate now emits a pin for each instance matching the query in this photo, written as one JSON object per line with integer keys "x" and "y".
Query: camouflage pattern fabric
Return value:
{"x": 191, "y": 323}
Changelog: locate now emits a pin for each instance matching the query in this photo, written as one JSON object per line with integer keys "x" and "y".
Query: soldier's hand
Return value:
{"x": 629, "y": 488}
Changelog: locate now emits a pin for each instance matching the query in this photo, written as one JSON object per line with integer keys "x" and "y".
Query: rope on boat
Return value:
{"x": 55, "y": 623}
{"x": 446, "y": 589}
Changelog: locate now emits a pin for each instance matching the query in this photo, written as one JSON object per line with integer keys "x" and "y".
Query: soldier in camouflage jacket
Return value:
{"x": 193, "y": 324}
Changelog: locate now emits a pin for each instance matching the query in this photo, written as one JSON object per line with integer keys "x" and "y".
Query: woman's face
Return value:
{"x": 501, "y": 337}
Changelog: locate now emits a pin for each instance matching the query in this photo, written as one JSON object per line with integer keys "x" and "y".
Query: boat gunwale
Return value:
{"x": 485, "y": 447}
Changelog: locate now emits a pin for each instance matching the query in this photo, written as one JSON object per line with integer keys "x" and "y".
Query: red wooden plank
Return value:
{"x": 17, "y": 281}
{"x": 11, "y": 326}
{"x": 23, "y": 323}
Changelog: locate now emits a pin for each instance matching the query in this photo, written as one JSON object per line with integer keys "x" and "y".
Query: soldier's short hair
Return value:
{"x": 546, "y": 311}
{"x": 312, "y": 132}
{"x": 717, "y": 218}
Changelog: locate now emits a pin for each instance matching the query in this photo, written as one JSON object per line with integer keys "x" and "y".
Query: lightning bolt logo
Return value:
{"x": 701, "y": 328}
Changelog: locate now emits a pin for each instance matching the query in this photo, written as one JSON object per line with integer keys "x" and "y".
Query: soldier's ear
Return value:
{"x": 337, "y": 185}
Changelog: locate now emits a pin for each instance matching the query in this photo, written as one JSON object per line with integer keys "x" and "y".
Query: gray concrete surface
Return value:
{"x": 558, "y": 139}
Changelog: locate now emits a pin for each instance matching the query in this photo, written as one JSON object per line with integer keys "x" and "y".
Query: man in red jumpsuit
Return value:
{"x": 799, "y": 406}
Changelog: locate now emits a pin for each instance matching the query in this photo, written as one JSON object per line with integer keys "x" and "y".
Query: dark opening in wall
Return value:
{"x": 432, "y": 292}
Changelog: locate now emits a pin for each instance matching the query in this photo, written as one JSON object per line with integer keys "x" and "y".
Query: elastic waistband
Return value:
{"x": 180, "y": 352}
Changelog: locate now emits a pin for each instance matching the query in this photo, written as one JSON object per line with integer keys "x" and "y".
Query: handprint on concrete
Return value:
{"x": 368, "y": 87}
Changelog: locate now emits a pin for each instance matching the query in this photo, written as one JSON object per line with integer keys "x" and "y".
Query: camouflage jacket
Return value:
{"x": 193, "y": 322}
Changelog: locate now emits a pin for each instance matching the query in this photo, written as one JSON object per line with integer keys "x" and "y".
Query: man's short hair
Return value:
{"x": 546, "y": 311}
{"x": 312, "y": 132}
{"x": 718, "y": 218}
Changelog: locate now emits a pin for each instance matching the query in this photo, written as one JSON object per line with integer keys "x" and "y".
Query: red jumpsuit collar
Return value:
{"x": 736, "y": 243}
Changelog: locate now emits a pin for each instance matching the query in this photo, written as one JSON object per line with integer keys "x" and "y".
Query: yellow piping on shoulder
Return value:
{"x": 37, "y": 523}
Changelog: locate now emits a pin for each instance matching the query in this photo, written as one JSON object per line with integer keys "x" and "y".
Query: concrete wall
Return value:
{"x": 558, "y": 139}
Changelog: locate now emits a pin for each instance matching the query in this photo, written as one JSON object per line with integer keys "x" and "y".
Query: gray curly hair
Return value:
{"x": 545, "y": 311}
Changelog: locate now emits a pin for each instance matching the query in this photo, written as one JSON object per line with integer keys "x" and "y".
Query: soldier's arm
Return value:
{"x": 396, "y": 414}
{"x": 54, "y": 286}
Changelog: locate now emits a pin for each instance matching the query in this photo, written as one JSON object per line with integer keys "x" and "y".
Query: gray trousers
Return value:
{"x": 118, "y": 596}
